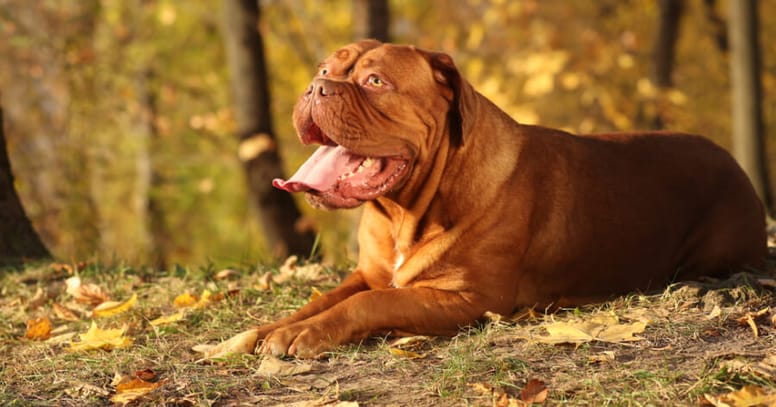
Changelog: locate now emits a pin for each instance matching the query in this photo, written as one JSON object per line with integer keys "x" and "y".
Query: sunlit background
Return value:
{"x": 121, "y": 132}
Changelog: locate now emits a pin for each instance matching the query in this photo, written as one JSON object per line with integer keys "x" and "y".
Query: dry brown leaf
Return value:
{"x": 86, "y": 293}
{"x": 37, "y": 300}
{"x": 747, "y": 396}
{"x": 272, "y": 366}
{"x": 63, "y": 312}
{"x": 38, "y": 329}
{"x": 264, "y": 282}
{"x": 535, "y": 391}
{"x": 96, "y": 338}
{"x": 111, "y": 308}
{"x": 133, "y": 390}
{"x": 145, "y": 374}
{"x": 291, "y": 269}
{"x": 750, "y": 319}
{"x": 226, "y": 273}
{"x": 715, "y": 312}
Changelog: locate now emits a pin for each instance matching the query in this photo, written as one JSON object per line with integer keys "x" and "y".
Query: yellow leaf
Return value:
{"x": 604, "y": 328}
{"x": 110, "y": 308}
{"x": 406, "y": 353}
{"x": 315, "y": 294}
{"x": 535, "y": 391}
{"x": 38, "y": 329}
{"x": 169, "y": 319}
{"x": 96, "y": 338}
{"x": 134, "y": 389}
{"x": 185, "y": 300}
{"x": 745, "y": 397}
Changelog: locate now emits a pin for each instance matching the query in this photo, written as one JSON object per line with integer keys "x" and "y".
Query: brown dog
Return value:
{"x": 468, "y": 211}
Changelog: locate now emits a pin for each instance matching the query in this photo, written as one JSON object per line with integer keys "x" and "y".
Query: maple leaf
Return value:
{"x": 38, "y": 329}
{"x": 86, "y": 293}
{"x": 134, "y": 389}
{"x": 185, "y": 300}
{"x": 110, "y": 308}
{"x": 96, "y": 338}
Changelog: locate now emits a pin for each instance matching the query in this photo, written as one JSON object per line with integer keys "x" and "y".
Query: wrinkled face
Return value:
{"x": 374, "y": 109}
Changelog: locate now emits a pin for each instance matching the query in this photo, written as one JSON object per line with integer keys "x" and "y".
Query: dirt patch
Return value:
{"x": 698, "y": 338}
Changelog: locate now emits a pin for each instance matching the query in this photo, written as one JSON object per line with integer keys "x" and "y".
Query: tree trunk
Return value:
{"x": 18, "y": 239}
{"x": 282, "y": 222}
{"x": 371, "y": 19}
{"x": 748, "y": 135}
{"x": 664, "y": 51}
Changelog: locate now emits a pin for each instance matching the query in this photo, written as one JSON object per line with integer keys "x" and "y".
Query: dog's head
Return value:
{"x": 379, "y": 112}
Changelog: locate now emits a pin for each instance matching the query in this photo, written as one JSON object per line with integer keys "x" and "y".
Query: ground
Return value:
{"x": 688, "y": 345}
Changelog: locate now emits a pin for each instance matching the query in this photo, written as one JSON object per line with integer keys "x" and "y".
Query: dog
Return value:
{"x": 468, "y": 211}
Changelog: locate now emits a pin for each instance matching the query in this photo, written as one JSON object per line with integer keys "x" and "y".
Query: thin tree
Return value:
{"x": 748, "y": 135}
{"x": 281, "y": 220}
{"x": 18, "y": 239}
{"x": 665, "y": 49}
{"x": 372, "y": 19}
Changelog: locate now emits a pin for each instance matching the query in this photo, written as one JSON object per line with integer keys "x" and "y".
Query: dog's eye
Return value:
{"x": 375, "y": 81}
{"x": 323, "y": 71}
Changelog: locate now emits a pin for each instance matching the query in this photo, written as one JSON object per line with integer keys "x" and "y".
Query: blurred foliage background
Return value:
{"x": 121, "y": 131}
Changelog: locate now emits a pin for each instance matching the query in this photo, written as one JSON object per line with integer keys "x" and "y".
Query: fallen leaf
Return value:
{"x": 185, "y": 300}
{"x": 169, "y": 319}
{"x": 406, "y": 353}
{"x": 38, "y": 329}
{"x": 272, "y": 366}
{"x": 37, "y": 300}
{"x": 747, "y": 396}
{"x": 605, "y": 356}
{"x": 85, "y": 293}
{"x": 535, "y": 391}
{"x": 314, "y": 294}
{"x": 292, "y": 270}
{"x": 244, "y": 342}
{"x": 410, "y": 342}
{"x": 264, "y": 282}
{"x": 110, "y": 308}
{"x": 145, "y": 374}
{"x": 60, "y": 339}
{"x": 226, "y": 273}
{"x": 63, "y": 312}
{"x": 750, "y": 319}
{"x": 133, "y": 390}
{"x": 715, "y": 312}
{"x": 96, "y": 338}
{"x": 604, "y": 328}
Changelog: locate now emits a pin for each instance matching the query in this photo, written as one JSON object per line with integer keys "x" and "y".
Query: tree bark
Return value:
{"x": 748, "y": 135}
{"x": 372, "y": 19}
{"x": 664, "y": 51}
{"x": 18, "y": 239}
{"x": 284, "y": 228}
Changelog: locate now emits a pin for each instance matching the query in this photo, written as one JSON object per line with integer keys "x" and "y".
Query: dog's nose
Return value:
{"x": 321, "y": 87}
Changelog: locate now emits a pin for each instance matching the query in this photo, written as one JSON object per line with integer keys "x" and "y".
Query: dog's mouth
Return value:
{"x": 337, "y": 177}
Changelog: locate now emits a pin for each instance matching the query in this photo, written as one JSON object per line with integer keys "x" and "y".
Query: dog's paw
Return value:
{"x": 301, "y": 340}
{"x": 244, "y": 342}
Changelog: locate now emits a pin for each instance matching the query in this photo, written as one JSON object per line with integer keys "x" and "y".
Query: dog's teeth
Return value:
{"x": 360, "y": 169}
{"x": 367, "y": 163}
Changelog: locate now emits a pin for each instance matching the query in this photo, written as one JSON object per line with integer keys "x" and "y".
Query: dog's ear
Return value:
{"x": 447, "y": 74}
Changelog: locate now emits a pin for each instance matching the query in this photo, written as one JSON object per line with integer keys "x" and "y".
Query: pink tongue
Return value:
{"x": 321, "y": 170}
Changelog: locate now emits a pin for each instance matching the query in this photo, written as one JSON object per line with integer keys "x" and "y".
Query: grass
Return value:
{"x": 687, "y": 351}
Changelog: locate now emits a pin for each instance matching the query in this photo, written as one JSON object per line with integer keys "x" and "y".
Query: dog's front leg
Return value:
{"x": 245, "y": 342}
{"x": 425, "y": 311}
